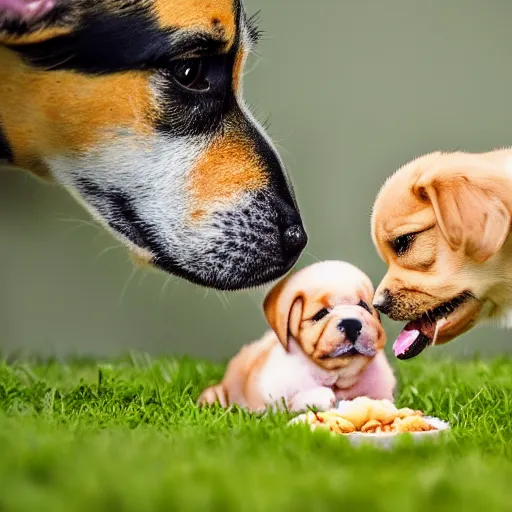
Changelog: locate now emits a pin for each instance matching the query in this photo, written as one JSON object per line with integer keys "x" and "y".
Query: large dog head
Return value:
{"x": 135, "y": 106}
{"x": 441, "y": 224}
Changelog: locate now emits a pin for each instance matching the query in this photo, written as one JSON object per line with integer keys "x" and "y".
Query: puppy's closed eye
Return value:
{"x": 321, "y": 314}
{"x": 403, "y": 243}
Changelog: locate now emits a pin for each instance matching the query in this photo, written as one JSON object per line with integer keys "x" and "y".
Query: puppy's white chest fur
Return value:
{"x": 286, "y": 374}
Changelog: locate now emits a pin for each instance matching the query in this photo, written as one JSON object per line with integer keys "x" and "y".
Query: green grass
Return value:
{"x": 128, "y": 437}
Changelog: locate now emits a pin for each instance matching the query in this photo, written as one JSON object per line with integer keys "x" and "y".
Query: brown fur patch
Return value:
{"x": 198, "y": 214}
{"x": 214, "y": 16}
{"x": 227, "y": 169}
{"x": 237, "y": 70}
{"x": 54, "y": 112}
{"x": 36, "y": 36}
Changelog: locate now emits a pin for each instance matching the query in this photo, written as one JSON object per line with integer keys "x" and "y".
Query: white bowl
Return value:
{"x": 385, "y": 439}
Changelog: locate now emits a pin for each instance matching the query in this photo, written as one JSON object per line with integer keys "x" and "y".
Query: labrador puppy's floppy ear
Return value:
{"x": 473, "y": 209}
{"x": 283, "y": 308}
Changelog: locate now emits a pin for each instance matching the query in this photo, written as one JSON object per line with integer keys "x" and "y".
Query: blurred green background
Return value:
{"x": 354, "y": 89}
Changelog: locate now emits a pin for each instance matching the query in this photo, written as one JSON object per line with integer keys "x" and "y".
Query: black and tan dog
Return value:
{"x": 135, "y": 107}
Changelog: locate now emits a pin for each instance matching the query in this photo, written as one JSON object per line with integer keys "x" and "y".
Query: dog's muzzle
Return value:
{"x": 384, "y": 302}
{"x": 354, "y": 343}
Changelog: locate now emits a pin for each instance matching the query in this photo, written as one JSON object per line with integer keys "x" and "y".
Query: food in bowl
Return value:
{"x": 366, "y": 416}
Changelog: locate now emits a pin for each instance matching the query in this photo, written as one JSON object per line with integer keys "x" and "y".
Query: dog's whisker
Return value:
{"x": 223, "y": 300}
{"x": 164, "y": 287}
{"x": 98, "y": 235}
{"x": 255, "y": 299}
{"x": 80, "y": 222}
{"x": 125, "y": 287}
{"x": 226, "y": 300}
{"x": 142, "y": 278}
{"x": 284, "y": 150}
{"x": 309, "y": 253}
{"x": 58, "y": 64}
{"x": 253, "y": 67}
{"x": 108, "y": 249}
{"x": 78, "y": 227}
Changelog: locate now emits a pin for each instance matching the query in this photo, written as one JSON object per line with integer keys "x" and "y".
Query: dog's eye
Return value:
{"x": 323, "y": 312}
{"x": 363, "y": 304}
{"x": 191, "y": 73}
{"x": 403, "y": 243}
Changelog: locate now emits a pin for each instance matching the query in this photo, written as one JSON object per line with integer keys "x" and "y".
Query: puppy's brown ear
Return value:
{"x": 283, "y": 307}
{"x": 473, "y": 212}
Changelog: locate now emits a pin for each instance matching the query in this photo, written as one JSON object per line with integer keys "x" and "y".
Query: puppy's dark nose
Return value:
{"x": 351, "y": 327}
{"x": 294, "y": 240}
{"x": 384, "y": 302}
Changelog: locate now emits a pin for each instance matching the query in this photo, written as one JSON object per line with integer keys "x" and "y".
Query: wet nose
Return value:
{"x": 293, "y": 235}
{"x": 351, "y": 327}
{"x": 383, "y": 302}
{"x": 294, "y": 240}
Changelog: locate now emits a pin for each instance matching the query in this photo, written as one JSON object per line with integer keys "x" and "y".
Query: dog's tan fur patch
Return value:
{"x": 227, "y": 168}
{"x": 35, "y": 113}
{"x": 213, "y": 16}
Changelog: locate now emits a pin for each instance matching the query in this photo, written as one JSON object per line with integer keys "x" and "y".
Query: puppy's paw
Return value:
{"x": 212, "y": 395}
{"x": 322, "y": 398}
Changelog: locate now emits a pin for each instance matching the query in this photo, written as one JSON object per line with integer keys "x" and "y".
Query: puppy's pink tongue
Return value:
{"x": 404, "y": 341}
{"x": 415, "y": 338}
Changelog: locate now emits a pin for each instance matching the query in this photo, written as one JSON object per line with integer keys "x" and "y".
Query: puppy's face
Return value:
{"x": 440, "y": 224}
{"x": 136, "y": 107}
{"x": 327, "y": 309}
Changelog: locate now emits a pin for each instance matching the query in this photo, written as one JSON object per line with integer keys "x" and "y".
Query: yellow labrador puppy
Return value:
{"x": 441, "y": 223}
{"x": 327, "y": 343}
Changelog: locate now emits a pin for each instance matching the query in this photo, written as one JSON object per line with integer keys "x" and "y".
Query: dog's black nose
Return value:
{"x": 292, "y": 233}
{"x": 294, "y": 239}
{"x": 384, "y": 303}
{"x": 351, "y": 327}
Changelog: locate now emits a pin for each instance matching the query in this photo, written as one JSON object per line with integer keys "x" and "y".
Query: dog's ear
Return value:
{"x": 473, "y": 210}
{"x": 22, "y": 19}
{"x": 283, "y": 308}
{"x": 25, "y": 11}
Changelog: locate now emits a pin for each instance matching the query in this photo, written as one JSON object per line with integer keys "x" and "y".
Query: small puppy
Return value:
{"x": 327, "y": 344}
{"x": 442, "y": 224}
